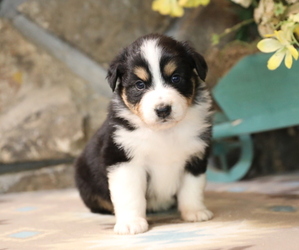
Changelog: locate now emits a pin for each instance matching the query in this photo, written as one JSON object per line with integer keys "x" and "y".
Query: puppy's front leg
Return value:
{"x": 127, "y": 184}
{"x": 190, "y": 198}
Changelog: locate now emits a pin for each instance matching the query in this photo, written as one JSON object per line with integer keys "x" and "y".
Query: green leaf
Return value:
{"x": 215, "y": 39}
{"x": 279, "y": 9}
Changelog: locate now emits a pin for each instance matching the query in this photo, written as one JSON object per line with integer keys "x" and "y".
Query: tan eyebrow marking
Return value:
{"x": 169, "y": 68}
{"x": 141, "y": 73}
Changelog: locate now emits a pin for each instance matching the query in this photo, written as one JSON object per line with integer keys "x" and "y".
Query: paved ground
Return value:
{"x": 258, "y": 214}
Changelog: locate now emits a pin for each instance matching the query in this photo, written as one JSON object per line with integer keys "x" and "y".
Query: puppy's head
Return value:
{"x": 158, "y": 79}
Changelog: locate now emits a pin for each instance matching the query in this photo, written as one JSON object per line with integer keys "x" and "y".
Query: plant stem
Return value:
{"x": 236, "y": 27}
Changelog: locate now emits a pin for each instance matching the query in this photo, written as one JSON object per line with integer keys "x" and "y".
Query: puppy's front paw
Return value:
{"x": 133, "y": 226}
{"x": 199, "y": 215}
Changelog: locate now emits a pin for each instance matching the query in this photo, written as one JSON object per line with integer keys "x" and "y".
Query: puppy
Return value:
{"x": 151, "y": 152}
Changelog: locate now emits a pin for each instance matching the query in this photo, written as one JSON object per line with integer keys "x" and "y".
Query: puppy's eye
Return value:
{"x": 175, "y": 78}
{"x": 140, "y": 85}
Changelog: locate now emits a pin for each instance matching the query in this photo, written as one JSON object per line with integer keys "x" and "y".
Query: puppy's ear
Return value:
{"x": 200, "y": 65}
{"x": 115, "y": 70}
{"x": 113, "y": 75}
{"x": 198, "y": 61}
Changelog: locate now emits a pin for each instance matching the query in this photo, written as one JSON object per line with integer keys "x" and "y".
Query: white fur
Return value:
{"x": 151, "y": 52}
{"x": 158, "y": 150}
{"x": 127, "y": 184}
{"x": 160, "y": 94}
{"x": 180, "y": 141}
{"x": 190, "y": 198}
{"x": 162, "y": 155}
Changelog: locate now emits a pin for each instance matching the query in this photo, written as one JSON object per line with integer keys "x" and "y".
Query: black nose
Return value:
{"x": 163, "y": 111}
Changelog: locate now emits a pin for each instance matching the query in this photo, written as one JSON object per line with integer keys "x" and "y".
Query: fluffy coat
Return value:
{"x": 151, "y": 152}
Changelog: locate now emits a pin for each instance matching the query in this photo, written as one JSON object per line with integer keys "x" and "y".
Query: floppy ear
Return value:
{"x": 200, "y": 65}
{"x": 199, "y": 62}
{"x": 113, "y": 75}
{"x": 115, "y": 70}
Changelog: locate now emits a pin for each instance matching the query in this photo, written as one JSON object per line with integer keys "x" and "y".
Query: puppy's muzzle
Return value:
{"x": 163, "y": 111}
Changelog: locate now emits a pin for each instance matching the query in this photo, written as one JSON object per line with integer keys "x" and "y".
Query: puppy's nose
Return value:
{"x": 163, "y": 111}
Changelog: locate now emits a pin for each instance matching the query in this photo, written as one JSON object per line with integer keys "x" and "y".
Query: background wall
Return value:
{"x": 48, "y": 111}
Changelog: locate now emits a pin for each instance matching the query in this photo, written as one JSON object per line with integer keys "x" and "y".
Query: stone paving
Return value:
{"x": 261, "y": 214}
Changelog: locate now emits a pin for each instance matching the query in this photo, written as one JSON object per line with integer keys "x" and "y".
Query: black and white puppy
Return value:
{"x": 151, "y": 152}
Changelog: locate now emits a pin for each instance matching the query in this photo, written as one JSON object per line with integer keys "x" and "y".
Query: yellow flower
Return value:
{"x": 243, "y": 3}
{"x": 192, "y": 3}
{"x": 168, "y": 7}
{"x": 175, "y": 8}
{"x": 294, "y": 19}
{"x": 284, "y": 50}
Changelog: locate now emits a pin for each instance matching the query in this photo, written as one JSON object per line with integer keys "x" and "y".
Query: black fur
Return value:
{"x": 91, "y": 167}
{"x": 101, "y": 151}
{"x": 182, "y": 53}
{"x": 196, "y": 165}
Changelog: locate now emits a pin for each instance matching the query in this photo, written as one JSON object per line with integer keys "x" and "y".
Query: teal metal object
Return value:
{"x": 239, "y": 169}
{"x": 253, "y": 99}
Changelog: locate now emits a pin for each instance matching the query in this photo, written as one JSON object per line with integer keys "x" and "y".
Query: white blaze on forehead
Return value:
{"x": 152, "y": 54}
{"x": 160, "y": 94}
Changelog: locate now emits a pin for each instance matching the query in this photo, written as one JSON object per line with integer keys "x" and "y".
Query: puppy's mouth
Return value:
{"x": 166, "y": 120}
{"x": 163, "y": 123}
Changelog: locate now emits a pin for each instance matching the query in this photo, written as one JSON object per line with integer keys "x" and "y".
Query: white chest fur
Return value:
{"x": 162, "y": 154}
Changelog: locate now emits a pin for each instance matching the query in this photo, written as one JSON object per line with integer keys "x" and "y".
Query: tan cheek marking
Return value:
{"x": 141, "y": 73}
{"x": 133, "y": 108}
{"x": 125, "y": 99}
{"x": 169, "y": 68}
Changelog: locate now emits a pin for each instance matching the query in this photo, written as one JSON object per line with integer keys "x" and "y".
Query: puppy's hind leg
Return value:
{"x": 95, "y": 201}
{"x": 127, "y": 184}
